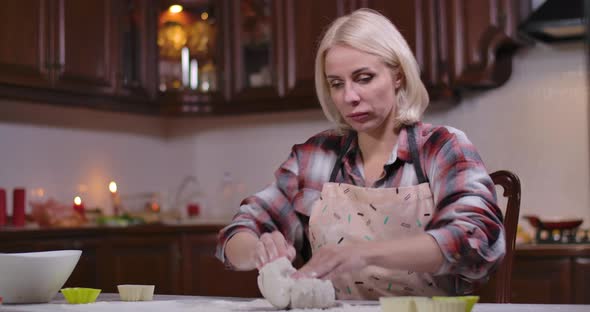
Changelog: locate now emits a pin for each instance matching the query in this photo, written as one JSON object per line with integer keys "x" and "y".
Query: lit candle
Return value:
{"x": 115, "y": 196}
{"x": 184, "y": 66}
{"x": 78, "y": 205}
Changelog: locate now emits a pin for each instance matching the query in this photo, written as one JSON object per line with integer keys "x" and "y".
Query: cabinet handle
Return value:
{"x": 176, "y": 254}
{"x": 501, "y": 20}
{"x": 123, "y": 79}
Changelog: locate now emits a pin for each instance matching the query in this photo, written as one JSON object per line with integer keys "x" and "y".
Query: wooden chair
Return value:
{"x": 497, "y": 290}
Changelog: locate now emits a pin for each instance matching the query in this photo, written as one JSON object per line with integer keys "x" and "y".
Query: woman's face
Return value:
{"x": 362, "y": 88}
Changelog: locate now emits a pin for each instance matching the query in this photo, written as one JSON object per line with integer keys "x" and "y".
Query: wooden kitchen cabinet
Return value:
{"x": 24, "y": 48}
{"x": 304, "y": 22}
{"x": 137, "y": 259}
{"x": 551, "y": 274}
{"x": 458, "y": 44}
{"x": 477, "y": 40}
{"x": 295, "y": 28}
{"x": 71, "y": 52}
{"x": 546, "y": 280}
{"x": 135, "y": 22}
{"x": 61, "y": 44}
{"x": 581, "y": 276}
{"x": 81, "y": 46}
{"x": 417, "y": 21}
{"x": 205, "y": 275}
{"x": 181, "y": 260}
{"x": 257, "y": 56}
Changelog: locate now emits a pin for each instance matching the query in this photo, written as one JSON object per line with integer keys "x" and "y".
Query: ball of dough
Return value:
{"x": 275, "y": 282}
{"x": 277, "y": 286}
{"x": 312, "y": 293}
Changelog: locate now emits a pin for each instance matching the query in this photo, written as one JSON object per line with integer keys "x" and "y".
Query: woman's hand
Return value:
{"x": 271, "y": 246}
{"x": 420, "y": 253}
{"x": 332, "y": 260}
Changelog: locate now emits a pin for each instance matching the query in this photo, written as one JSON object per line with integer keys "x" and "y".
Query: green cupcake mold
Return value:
{"x": 78, "y": 295}
{"x": 470, "y": 301}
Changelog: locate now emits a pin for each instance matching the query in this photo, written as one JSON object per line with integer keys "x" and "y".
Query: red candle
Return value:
{"x": 18, "y": 207}
{"x": 78, "y": 205}
{"x": 2, "y": 207}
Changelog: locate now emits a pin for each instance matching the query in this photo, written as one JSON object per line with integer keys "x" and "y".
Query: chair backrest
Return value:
{"x": 498, "y": 288}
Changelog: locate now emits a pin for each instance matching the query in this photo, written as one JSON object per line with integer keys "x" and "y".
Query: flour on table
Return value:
{"x": 177, "y": 305}
{"x": 282, "y": 291}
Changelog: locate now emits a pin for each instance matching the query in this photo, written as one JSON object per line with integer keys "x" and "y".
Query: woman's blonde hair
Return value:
{"x": 369, "y": 31}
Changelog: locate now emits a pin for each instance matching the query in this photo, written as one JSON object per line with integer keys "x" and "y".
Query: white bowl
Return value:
{"x": 35, "y": 277}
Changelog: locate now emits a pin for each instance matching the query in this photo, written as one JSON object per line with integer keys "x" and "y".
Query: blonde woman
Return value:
{"x": 382, "y": 204}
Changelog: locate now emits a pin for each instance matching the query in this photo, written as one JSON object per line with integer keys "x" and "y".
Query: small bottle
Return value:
{"x": 226, "y": 196}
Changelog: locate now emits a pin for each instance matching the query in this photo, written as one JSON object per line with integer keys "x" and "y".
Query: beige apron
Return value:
{"x": 347, "y": 214}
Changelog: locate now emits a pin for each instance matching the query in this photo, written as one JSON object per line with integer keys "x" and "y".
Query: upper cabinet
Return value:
{"x": 304, "y": 23}
{"x": 80, "y": 46}
{"x": 457, "y": 43}
{"x": 135, "y": 46}
{"x": 93, "y": 53}
{"x": 260, "y": 53}
{"x": 477, "y": 40}
{"x": 62, "y": 44}
{"x": 231, "y": 56}
{"x": 417, "y": 21}
{"x": 192, "y": 54}
{"x": 24, "y": 47}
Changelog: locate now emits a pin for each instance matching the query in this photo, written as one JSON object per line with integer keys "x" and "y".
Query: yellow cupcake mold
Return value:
{"x": 470, "y": 301}
{"x": 78, "y": 295}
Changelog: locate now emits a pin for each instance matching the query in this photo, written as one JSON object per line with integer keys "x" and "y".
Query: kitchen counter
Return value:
{"x": 179, "y": 259}
{"x": 553, "y": 250}
{"x": 110, "y": 302}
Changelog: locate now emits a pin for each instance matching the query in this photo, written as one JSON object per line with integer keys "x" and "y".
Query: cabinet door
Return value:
{"x": 541, "y": 280}
{"x": 476, "y": 48}
{"x": 256, "y": 49}
{"x": 205, "y": 275}
{"x": 416, "y": 21}
{"x": 82, "y": 41}
{"x": 24, "y": 51}
{"x": 87, "y": 272}
{"x": 304, "y": 23}
{"x": 135, "y": 28}
{"x": 581, "y": 276}
{"x": 149, "y": 260}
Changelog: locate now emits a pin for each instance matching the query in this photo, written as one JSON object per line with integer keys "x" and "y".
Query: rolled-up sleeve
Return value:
{"x": 268, "y": 210}
{"x": 467, "y": 224}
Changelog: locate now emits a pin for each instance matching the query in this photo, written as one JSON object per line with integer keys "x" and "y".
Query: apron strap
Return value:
{"x": 306, "y": 252}
{"x": 338, "y": 165}
{"x": 415, "y": 155}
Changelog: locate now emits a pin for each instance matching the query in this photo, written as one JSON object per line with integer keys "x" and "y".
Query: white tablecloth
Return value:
{"x": 110, "y": 303}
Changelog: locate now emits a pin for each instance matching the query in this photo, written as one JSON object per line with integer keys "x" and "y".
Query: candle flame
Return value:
{"x": 77, "y": 200}
{"x": 113, "y": 187}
